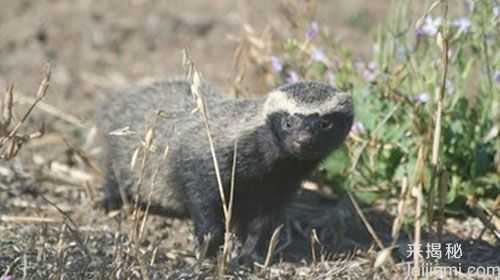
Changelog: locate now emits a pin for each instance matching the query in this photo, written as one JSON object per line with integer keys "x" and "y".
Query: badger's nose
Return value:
{"x": 304, "y": 139}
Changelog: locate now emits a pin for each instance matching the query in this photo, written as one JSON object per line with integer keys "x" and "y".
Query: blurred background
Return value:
{"x": 93, "y": 45}
{"x": 389, "y": 54}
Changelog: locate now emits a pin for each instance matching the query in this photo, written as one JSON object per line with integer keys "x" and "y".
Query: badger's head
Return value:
{"x": 309, "y": 119}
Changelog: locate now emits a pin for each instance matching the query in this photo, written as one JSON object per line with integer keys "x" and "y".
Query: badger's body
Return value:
{"x": 273, "y": 155}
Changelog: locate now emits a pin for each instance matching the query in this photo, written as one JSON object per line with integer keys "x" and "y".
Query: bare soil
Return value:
{"x": 51, "y": 225}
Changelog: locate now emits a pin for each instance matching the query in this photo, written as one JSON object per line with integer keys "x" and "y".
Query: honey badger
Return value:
{"x": 281, "y": 138}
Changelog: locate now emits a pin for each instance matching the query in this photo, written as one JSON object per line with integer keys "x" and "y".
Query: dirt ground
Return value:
{"x": 48, "y": 196}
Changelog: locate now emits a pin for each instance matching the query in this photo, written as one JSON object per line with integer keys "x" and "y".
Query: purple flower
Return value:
{"x": 496, "y": 76}
{"x": 422, "y": 98}
{"x": 277, "y": 64}
{"x": 313, "y": 30}
{"x": 430, "y": 26}
{"x": 358, "y": 128}
{"x": 292, "y": 77}
{"x": 369, "y": 72}
{"x": 462, "y": 23}
{"x": 6, "y": 278}
{"x": 496, "y": 10}
{"x": 319, "y": 55}
{"x": 372, "y": 66}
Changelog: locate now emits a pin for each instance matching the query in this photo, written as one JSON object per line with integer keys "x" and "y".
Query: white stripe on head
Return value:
{"x": 279, "y": 101}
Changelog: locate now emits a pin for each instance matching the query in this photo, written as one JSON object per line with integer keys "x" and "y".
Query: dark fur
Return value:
{"x": 270, "y": 167}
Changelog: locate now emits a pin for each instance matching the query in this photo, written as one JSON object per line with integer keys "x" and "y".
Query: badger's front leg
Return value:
{"x": 258, "y": 232}
{"x": 208, "y": 221}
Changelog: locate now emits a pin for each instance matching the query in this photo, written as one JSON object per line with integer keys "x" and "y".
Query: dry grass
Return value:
{"x": 10, "y": 139}
{"x": 52, "y": 239}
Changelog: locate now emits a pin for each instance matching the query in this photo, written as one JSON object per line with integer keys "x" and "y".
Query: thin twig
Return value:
{"x": 365, "y": 221}
{"x": 151, "y": 191}
{"x": 195, "y": 79}
{"x": 42, "y": 90}
{"x": 10, "y": 141}
{"x": 443, "y": 190}
{"x": 418, "y": 231}
{"x": 417, "y": 182}
{"x": 227, "y": 235}
{"x": 7, "y": 106}
{"x": 51, "y": 110}
{"x": 146, "y": 149}
{"x": 487, "y": 220}
{"x": 29, "y": 220}
{"x": 443, "y": 39}
{"x": 72, "y": 226}
{"x": 487, "y": 59}
{"x": 272, "y": 246}
{"x": 398, "y": 221}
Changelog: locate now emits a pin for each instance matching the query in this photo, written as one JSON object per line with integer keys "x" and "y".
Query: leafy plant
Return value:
{"x": 395, "y": 96}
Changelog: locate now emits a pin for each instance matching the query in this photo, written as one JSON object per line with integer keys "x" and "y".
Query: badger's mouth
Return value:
{"x": 304, "y": 151}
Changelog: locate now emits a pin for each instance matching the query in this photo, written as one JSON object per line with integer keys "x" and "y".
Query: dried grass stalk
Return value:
{"x": 10, "y": 141}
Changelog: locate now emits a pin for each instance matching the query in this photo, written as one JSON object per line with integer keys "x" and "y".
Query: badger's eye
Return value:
{"x": 326, "y": 124}
{"x": 289, "y": 122}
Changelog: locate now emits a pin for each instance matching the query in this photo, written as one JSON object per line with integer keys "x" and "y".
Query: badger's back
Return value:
{"x": 125, "y": 116}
